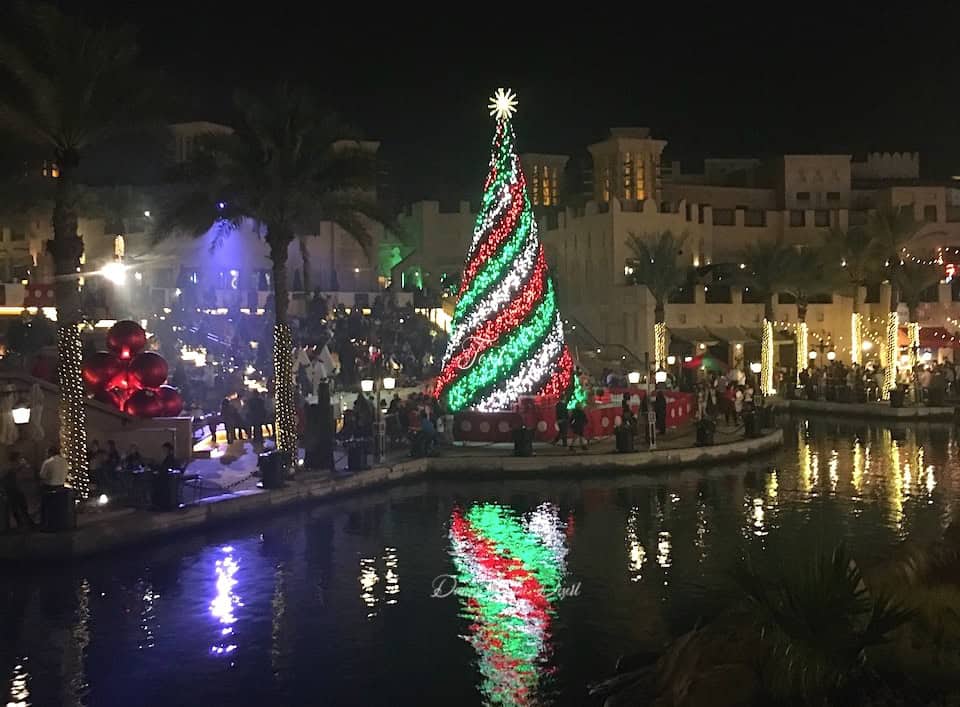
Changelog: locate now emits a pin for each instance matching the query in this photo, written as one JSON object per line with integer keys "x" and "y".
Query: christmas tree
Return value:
{"x": 507, "y": 334}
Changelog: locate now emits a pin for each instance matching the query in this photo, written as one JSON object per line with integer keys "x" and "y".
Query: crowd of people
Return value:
{"x": 836, "y": 381}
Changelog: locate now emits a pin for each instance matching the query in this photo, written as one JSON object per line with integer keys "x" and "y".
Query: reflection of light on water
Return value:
{"x": 858, "y": 468}
{"x": 225, "y": 600}
{"x": 832, "y": 467}
{"x": 701, "y": 538}
{"x": 544, "y": 522}
{"x": 806, "y": 475}
{"x": 278, "y": 609}
{"x": 507, "y": 579}
{"x": 636, "y": 554}
{"x": 663, "y": 549}
{"x": 895, "y": 483}
{"x": 931, "y": 481}
{"x": 758, "y": 527}
{"x": 814, "y": 469}
{"x": 773, "y": 486}
{"x": 392, "y": 579}
{"x": 148, "y": 615}
{"x": 19, "y": 687}
{"x": 81, "y": 639}
{"x": 368, "y": 580}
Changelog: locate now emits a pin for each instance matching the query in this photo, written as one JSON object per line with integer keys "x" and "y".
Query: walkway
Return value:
{"x": 230, "y": 490}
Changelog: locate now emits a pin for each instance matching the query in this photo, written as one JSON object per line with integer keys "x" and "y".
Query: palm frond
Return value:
{"x": 655, "y": 265}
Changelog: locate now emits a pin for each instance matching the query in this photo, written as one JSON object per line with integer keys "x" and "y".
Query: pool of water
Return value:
{"x": 514, "y": 592}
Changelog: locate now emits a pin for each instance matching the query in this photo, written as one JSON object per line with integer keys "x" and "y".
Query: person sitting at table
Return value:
{"x": 169, "y": 460}
{"x": 134, "y": 460}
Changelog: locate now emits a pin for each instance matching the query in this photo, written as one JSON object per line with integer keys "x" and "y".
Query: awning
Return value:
{"x": 733, "y": 334}
{"x": 692, "y": 335}
{"x": 931, "y": 337}
{"x": 779, "y": 335}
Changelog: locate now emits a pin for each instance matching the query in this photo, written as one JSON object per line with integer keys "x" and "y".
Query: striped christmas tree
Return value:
{"x": 507, "y": 334}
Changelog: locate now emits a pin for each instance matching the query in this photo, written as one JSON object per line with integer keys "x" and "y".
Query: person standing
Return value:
{"x": 256, "y": 416}
{"x": 227, "y": 417}
{"x": 660, "y": 410}
{"x": 563, "y": 421}
{"x": 16, "y": 499}
{"x": 53, "y": 471}
{"x": 578, "y": 423}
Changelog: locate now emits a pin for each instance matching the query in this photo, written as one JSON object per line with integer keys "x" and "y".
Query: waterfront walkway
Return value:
{"x": 229, "y": 491}
{"x": 865, "y": 410}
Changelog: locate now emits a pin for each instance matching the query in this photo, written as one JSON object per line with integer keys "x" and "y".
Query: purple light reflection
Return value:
{"x": 226, "y": 601}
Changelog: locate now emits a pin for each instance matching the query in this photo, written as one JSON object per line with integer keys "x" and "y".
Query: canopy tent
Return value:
{"x": 931, "y": 337}
{"x": 707, "y": 362}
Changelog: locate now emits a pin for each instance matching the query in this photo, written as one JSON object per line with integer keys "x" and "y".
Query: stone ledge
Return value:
{"x": 867, "y": 410}
{"x": 128, "y": 528}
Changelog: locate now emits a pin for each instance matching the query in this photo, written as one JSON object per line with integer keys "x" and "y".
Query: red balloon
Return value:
{"x": 143, "y": 403}
{"x": 126, "y": 339}
{"x": 108, "y": 397}
{"x": 100, "y": 368}
{"x": 148, "y": 370}
{"x": 170, "y": 399}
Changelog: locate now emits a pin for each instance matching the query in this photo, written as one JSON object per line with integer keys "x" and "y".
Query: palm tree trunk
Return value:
{"x": 802, "y": 341}
{"x": 893, "y": 330}
{"x": 766, "y": 348}
{"x": 856, "y": 328}
{"x": 305, "y": 257}
{"x": 66, "y": 248}
{"x": 660, "y": 334}
{"x": 279, "y": 240}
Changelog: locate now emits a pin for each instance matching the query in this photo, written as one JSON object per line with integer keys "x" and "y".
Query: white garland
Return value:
{"x": 531, "y": 372}
{"x": 496, "y": 298}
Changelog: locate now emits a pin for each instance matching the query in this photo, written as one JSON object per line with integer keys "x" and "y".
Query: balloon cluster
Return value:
{"x": 129, "y": 378}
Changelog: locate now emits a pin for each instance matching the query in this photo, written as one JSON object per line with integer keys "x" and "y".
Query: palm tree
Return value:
{"x": 71, "y": 87}
{"x": 889, "y": 230}
{"x": 767, "y": 269}
{"x": 917, "y": 275}
{"x": 654, "y": 264}
{"x": 285, "y": 170}
{"x": 850, "y": 262}
{"x": 806, "y": 277}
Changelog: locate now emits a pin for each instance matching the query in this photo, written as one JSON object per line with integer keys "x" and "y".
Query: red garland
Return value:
{"x": 561, "y": 378}
{"x": 485, "y": 554}
{"x": 497, "y": 235}
{"x": 490, "y": 331}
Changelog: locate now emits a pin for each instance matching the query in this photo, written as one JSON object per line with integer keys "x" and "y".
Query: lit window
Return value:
{"x": 641, "y": 181}
{"x": 628, "y": 180}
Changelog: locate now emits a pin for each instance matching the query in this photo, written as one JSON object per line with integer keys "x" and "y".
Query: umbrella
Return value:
{"x": 707, "y": 362}
{"x": 8, "y": 430}
{"x": 35, "y": 427}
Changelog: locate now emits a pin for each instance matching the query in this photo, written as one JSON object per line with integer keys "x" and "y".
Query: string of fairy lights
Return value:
{"x": 73, "y": 430}
{"x": 286, "y": 414}
{"x": 506, "y": 334}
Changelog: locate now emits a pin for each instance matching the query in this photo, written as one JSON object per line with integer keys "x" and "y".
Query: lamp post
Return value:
{"x": 375, "y": 385}
{"x": 755, "y": 368}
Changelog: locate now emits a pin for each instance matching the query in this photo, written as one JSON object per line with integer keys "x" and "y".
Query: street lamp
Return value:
{"x": 812, "y": 355}
{"x": 115, "y": 272}
{"x": 831, "y": 355}
{"x": 21, "y": 413}
{"x": 366, "y": 385}
{"x": 660, "y": 376}
{"x": 756, "y": 367}
{"x": 633, "y": 377}
{"x": 671, "y": 359}
{"x": 389, "y": 383}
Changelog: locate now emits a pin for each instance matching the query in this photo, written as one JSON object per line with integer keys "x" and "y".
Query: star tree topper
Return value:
{"x": 503, "y": 104}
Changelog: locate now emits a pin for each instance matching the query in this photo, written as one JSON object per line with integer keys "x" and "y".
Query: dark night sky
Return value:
{"x": 730, "y": 81}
